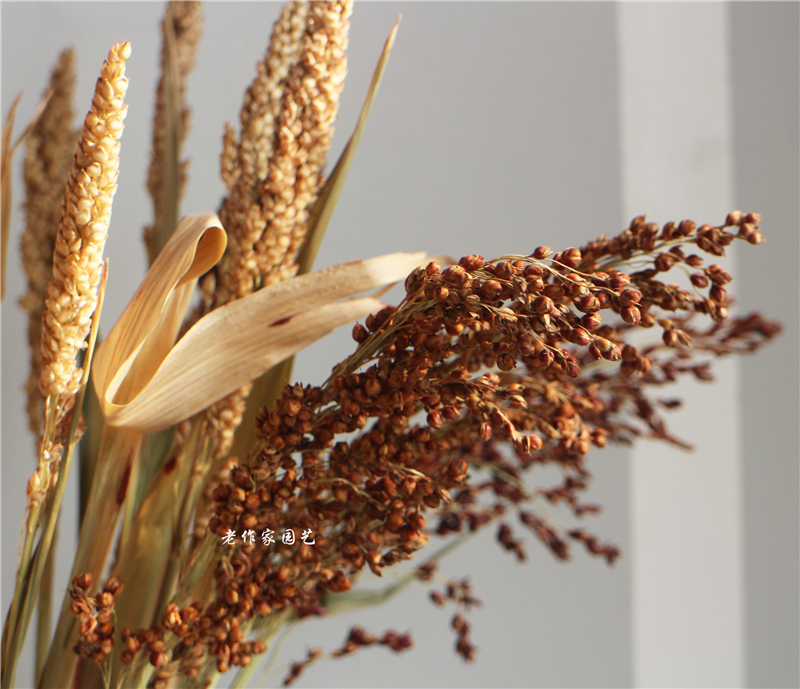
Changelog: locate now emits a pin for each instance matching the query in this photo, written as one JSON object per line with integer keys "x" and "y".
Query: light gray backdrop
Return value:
{"x": 497, "y": 128}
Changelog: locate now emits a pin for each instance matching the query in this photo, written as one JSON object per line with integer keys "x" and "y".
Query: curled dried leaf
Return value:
{"x": 145, "y": 381}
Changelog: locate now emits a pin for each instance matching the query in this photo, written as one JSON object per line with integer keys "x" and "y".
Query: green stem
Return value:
{"x": 11, "y": 631}
{"x": 90, "y": 443}
{"x": 31, "y": 522}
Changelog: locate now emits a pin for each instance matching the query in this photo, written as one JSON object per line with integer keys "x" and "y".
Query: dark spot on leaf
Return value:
{"x": 123, "y": 486}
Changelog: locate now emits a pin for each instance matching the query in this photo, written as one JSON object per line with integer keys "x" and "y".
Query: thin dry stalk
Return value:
{"x": 6, "y": 156}
{"x": 44, "y": 608}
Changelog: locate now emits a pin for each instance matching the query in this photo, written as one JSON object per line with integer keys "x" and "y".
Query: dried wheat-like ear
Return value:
{"x": 181, "y": 30}
{"x": 50, "y": 147}
{"x": 145, "y": 383}
{"x": 268, "y": 386}
{"x": 273, "y": 172}
{"x": 86, "y": 214}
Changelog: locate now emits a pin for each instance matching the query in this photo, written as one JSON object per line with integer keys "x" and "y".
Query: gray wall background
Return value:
{"x": 496, "y": 129}
{"x": 764, "y": 60}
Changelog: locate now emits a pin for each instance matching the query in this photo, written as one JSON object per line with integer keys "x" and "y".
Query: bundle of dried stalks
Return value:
{"x": 485, "y": 369}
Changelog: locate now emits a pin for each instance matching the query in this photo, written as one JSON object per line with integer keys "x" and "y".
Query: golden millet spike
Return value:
{"x": 85, "y": 216}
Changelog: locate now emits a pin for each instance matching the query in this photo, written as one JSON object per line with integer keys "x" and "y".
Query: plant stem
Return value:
{"x": 31, "y": 522}
{"x": 24, "y": 597}
{"x": 90, "y": 446}
{"x": 17, "y": 625}
{"x": 118, "y": 451}
{"x": 44, "y": 612}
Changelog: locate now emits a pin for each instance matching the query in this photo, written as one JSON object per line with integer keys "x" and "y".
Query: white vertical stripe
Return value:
{"x": 687, "y": 582}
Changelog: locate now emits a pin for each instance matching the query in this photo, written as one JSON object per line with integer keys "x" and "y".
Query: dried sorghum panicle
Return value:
{"x": 50, "y": 147}
{"x": 96, "y": 616}
{"x": 459, "y": 593}
{"x": 520, "y": 352}
{"x": 358, "y": 638}
{"x": 296, "y": 668}
{"x": 86, "y": 213}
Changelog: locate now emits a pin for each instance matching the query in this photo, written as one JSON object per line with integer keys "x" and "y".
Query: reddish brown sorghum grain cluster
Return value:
{"x": 358, "y": 638}
{"x": 296, "y": 668}
{"x": 513, "y": 363}
{"x": 96, "y": 615}
{"x": 183, "y": 640}
{"x": 460, "y": 593}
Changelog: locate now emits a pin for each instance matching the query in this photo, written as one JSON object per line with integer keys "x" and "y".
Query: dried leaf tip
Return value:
{"x": 85, "y": 217}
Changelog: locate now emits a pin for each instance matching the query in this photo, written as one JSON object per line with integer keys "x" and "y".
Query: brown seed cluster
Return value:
{"x": 459, "y": 593}
{"x": 296, "y": 668}
{"x": 485, "y": 370}
{"x": 538, "y": 321}
{"x": 182, "y": 642}
{"x": 96, "y": 615}
{"x": 358, "y": 638}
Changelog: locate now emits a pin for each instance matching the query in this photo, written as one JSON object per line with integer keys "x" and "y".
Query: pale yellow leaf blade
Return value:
{"x": 208, "y": 364}
{"x": 150, "y": 323}
{"x": 145, "y": 383}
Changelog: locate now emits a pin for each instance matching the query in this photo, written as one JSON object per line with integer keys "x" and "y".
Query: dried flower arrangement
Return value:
{"x": 192, "y": 439}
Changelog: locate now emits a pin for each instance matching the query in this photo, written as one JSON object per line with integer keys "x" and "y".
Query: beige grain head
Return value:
{"x": 86, "y": 213}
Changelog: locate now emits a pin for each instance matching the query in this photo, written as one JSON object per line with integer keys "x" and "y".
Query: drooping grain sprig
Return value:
{"x": 492, "y": 352}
